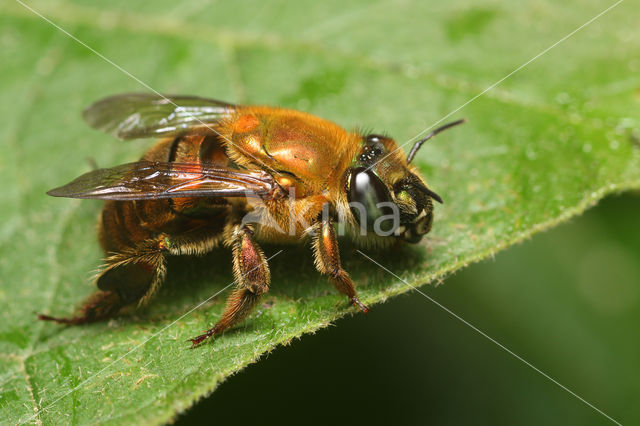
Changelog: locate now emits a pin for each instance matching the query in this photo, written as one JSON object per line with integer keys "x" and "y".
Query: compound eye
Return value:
{"x": 366, "y": 194}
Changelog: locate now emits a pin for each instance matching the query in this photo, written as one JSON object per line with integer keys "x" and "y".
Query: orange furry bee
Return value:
{"x": 240, "y": 175}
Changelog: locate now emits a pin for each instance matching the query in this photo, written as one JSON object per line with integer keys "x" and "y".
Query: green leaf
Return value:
{"x": 546, "y": 143}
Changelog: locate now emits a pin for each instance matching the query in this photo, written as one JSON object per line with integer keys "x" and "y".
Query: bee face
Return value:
{"x": 386, "y": 195}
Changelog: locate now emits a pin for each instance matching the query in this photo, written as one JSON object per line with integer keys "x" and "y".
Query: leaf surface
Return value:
{"x": 546, "y": 143}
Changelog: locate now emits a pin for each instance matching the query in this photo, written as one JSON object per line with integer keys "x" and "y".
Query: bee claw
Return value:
{"x": 201, "y": 338}
{"x": 195, "y": 341}
{"x": 43, "y": 317}
{"x": 364, "y": 308}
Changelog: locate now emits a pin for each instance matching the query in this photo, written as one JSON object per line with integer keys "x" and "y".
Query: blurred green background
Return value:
{"x": 567, "y": 301}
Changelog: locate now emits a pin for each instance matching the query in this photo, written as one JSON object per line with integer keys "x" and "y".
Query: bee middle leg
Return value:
{"x": 327, "y": 260}
{"x": 252, "y": 278}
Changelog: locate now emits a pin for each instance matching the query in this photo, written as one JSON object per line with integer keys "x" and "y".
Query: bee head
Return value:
{"x": 386, "y": 194}
{"x": 385, "y": 191}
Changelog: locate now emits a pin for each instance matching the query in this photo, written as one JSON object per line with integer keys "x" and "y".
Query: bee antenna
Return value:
{"x": 430, "y": 193}
{"x": 419, "y": 143}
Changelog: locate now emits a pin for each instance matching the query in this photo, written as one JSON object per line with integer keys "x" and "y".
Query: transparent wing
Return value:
{"x": 142, "y": 115}
{"x": 153, "y": 180}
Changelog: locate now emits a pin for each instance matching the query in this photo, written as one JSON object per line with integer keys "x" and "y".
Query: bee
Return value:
{"x": 224, "y": 174}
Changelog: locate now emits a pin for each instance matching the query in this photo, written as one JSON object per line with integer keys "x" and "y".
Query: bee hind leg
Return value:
{"x": 131, "y": 276}
{"x": 252, "y": 278}
{"x": 327, "y": 260}
{"x": 98, "y": 306}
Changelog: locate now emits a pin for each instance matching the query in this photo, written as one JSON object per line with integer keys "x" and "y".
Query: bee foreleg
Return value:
{"x": 252, "y": 278}
{"x": 327, "y": 261}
